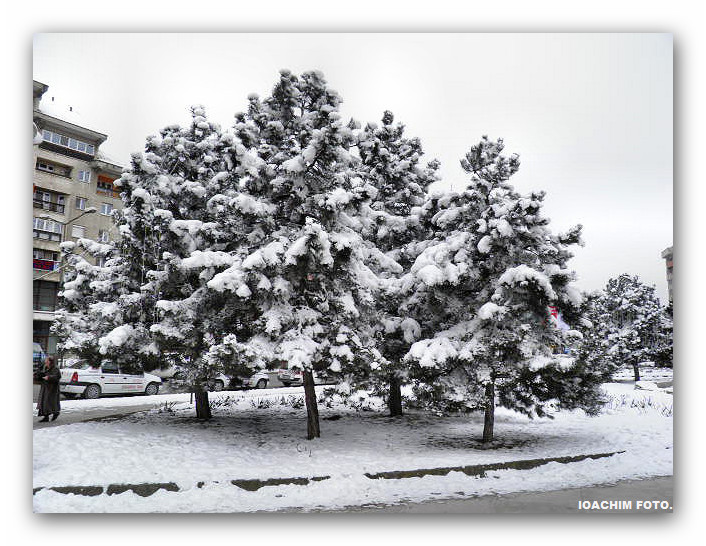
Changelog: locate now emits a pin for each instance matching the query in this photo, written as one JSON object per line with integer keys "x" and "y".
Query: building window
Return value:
{"x": 66, "y": 142}
{"x": 48, "y": 230}
{"x": 81, "y": 203}
{"x": 103, "y": 236}
{"x": 48, "y": 200}
{"x": 45, "y": 260}
{"x": 78, "y": 231}
{"x": 53, "y": 168}
{"x": 44, "y": 295}
{"x": 84, "y": 176}
{"x": 106, "y": 209}
{"x": 100, "y": 262}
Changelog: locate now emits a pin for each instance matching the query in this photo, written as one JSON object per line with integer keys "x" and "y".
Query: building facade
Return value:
{"x": 73, "y": 197}
{"x": 668, "y": 256}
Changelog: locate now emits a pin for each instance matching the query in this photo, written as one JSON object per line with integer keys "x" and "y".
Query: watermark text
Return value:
{"x": 642, "y": 505}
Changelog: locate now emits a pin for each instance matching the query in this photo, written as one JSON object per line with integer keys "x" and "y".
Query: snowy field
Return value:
{"x": 261, "y": 435}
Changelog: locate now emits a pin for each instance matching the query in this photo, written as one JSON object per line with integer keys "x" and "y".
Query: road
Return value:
{"x": 273, "y": 384}
{"x": 549, "y": 502}
{"x": 81, "y": 414}
{"x": 89, "y": 414}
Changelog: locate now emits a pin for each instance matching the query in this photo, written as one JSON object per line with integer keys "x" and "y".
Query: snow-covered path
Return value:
{"x": 261, "y": 435}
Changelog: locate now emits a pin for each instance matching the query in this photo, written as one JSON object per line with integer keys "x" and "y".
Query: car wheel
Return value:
{"x": 261, "y": 384}
{"x": 218, "y": 385}
{"x": 286, "y": 383}
{"x": 151, "y": 389}
{"x": 92, "y": 392}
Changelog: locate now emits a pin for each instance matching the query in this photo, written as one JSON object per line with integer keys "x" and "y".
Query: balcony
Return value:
{"x": 53, "y": 183}
{"x": 108, "y": 193}
{"x": 46, "y": 235}
{"x": 45, "y": 265}
{"x": 48, "y": 205}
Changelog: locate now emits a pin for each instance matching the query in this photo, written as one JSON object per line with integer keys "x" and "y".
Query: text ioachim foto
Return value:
{"x": 624, "y": 505}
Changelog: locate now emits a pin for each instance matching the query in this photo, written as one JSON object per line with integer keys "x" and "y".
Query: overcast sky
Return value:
{"x": 589, "y": 114}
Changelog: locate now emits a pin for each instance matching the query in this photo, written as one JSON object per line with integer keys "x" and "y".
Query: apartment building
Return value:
{"x": 668, "y": 256}
{"x": 73, "y": 197}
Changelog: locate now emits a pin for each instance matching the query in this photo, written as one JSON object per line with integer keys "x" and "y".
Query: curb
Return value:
{"x": 148, "y": 489}
{"x": 480, "y": 470}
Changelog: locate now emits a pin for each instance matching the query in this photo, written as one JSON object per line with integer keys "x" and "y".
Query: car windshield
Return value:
{"x": 82, "y": 365}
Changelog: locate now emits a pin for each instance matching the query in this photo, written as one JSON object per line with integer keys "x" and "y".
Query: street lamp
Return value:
{"x": 89, "y": 210}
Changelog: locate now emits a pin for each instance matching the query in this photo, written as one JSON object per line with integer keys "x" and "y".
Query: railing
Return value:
{"x": 48, "y": 205}
{"x": 46, "y": 235}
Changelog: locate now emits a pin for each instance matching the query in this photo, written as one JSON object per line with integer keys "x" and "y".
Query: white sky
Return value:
{"x": 589, "y": 114}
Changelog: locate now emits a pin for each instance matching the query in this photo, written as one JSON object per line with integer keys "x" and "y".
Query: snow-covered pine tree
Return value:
{"x": 191, "y": 200}
{"x": 486, "y": 285}
{"x": 633, "y": 322}
{"x": 307, "y": 273}
{"x": 89, "y": 299}
{"x": 126, "y": 309}
{"x": 103, "y": 313}
{"x": 592, "y": 349}
{"x": 664, "y": 355}
{"x": 391, "y": 162}
{"x": 166, "y": 191}
{"x": 594, "y": 325}
{"x": 229, "y": 225}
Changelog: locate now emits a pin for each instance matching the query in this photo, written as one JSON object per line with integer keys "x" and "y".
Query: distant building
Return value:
{"x": 667, "y": 255}
{"x": 70, "y": 177}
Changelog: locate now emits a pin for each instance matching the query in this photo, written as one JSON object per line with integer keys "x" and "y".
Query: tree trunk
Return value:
{"x": 394, "y": 402}
{"x": 489, "y": 412}
{"x": 636, "y": 369}
{"x": 312, "y": 411}
{"x": 203, "y": 408}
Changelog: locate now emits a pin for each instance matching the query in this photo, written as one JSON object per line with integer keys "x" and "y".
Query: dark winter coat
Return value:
{"x": 48, "y": 401}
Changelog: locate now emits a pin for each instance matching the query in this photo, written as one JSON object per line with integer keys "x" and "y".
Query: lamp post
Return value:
{"x": 89, "y": 210}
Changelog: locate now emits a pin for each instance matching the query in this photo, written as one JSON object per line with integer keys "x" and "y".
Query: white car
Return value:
{"x": 176, "y": 376}
{"x": 258, "y": 380}
{"x": 295, "y": 377}
{"x": 91, "y": 381}
{"x": 290, "y": 377}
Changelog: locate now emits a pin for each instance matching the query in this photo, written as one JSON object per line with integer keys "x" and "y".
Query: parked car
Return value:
{"x": 93, "y": 381}
{"x": 290, "y": 377}
{"x": 259, "y": 380}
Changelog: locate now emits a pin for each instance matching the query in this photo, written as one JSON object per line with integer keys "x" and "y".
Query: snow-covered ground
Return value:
{"x": 261, "y": 435}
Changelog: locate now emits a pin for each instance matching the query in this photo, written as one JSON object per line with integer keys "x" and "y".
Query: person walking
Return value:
{"x": 48, "y": 402}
